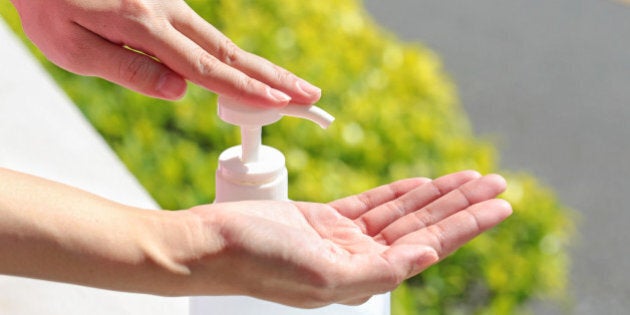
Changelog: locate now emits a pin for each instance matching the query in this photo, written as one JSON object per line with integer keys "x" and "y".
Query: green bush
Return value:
{"x": 397, "y": 116}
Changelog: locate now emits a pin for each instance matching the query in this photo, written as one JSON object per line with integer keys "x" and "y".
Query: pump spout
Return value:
{"x": 312, "y": 113}
{"x": 233, "y": 112}
{"x": 251, "y": 119}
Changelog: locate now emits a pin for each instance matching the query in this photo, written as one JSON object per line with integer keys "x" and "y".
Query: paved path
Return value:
{"x": 552, "y": 80}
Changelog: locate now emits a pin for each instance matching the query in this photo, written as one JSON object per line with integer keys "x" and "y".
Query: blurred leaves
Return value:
{"x": 397, "y": 116}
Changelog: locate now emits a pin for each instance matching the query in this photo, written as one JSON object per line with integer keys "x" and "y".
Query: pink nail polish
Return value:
{"x": 278, "y": 95}
{"x": 307, "y": 88}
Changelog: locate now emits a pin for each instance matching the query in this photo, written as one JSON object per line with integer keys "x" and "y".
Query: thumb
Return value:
{"x": 409, "y": 260}
{"x": 141, "y": 73}
{"x": 123, "y": 66}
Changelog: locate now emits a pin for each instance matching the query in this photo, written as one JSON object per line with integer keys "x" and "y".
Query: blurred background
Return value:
{"x": 535, "y": 90}
{"x": 550, "y": 82}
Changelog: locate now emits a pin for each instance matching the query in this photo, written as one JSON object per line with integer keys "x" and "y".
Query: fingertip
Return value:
{"x": 277, "y": 97}
{"x": 465, "y": 175}
{"x": 504, "y": 206}
{"x": 471, "y": 174}
{"x": 497, "y": 180}
{"x": 309, "y": 93}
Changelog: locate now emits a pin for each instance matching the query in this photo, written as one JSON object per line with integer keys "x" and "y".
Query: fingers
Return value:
{"x": 200, "y": 53}
{"x": 354, "y": 206}
{"x": 214, "y": 42}
{"x": 383, "y": 214}
{"x": 456, "y": 230}
{"x": 417, "y": 251}
{"x": 200, "y": 67}
{"x": 468, "y": 194}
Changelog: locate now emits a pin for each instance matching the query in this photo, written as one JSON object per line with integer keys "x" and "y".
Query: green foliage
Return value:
{"x": 397, "y": 116}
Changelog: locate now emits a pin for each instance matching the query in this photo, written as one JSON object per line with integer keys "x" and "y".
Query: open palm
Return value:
{"x": 352, "y": 248}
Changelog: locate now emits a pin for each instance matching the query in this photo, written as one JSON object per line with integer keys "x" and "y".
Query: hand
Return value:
{"x": 310, "y": 255}
{"x": 93, "y": 37}
{"x": 296, "y": 253}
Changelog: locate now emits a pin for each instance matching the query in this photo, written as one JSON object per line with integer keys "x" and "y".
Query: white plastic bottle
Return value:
{"x": 252, "y": 171}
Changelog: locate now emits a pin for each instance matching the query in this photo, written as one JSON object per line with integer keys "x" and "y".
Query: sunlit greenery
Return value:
{"x": 397, "y": 116}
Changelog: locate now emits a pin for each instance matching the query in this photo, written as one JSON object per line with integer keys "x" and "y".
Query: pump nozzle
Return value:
{"x": 312, "y": 113}
{"x": 251, "y": 119}
{"x": 239, "y": 114}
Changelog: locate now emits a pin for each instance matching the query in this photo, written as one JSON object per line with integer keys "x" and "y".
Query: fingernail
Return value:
{"x": 171, "y": 86}
{"x": 307, "y": 88}
{"x": 278, "y": 95}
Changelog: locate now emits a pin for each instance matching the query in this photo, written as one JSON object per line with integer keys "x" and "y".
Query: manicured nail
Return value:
{"x": 278, "y": 95}
{"x": 307, "y": 88}
{"x": 171, "y": 85}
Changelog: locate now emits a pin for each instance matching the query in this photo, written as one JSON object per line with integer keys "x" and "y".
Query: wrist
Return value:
{"x": 175, "y": 244}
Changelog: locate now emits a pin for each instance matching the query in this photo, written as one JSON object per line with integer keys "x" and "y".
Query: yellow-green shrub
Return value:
{"x": 397, "y": 116}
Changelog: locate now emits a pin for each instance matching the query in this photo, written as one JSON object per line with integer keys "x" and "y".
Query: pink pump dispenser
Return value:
{"x": 253, "y": 171}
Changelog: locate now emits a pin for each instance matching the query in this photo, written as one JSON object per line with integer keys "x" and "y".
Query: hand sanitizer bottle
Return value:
{"x": 252, "y": 171}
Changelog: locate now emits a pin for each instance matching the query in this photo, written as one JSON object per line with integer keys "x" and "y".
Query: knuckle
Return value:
{"x": 134, "y": 69}
{"x": 134, "y": 9}
{"x": 206, "y": 64}
{"x": 139, "y": 16}
{"x": 228, "y": 52}
{"x": 283, "y": 75}
{"x": 247, "y": 84}
{"x": 424, "y": 218}
{"x": 467, "y": 195}
{"x": 438, "y": 234}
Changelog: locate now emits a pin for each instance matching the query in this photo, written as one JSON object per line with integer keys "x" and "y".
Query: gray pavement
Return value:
{"x": 551, "y": 81}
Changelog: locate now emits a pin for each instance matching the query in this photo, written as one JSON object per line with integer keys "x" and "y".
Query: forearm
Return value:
{"x": 55, "y": 232}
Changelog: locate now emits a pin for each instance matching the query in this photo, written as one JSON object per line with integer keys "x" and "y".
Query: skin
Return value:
{"x": 93, "y": 37}
{"x": 296, "y": 253}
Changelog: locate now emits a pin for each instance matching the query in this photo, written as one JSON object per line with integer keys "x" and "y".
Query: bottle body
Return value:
{"x": 265, "y": 179}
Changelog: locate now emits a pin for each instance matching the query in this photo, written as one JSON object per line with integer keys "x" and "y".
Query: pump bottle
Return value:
{"x": 252, "y": 171}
